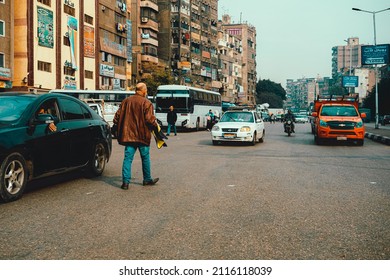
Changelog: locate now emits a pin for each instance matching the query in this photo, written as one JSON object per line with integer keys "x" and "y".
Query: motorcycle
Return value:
{"x": 288, "y": 126}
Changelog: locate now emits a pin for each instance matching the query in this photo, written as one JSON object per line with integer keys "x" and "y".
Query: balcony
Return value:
{"x": 149, "y": 58}
{"x": 152, "y": 4}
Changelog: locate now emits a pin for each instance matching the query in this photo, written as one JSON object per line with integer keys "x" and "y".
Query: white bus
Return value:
{"x": 191, "y": 105}
{"x": 109, "y": 96}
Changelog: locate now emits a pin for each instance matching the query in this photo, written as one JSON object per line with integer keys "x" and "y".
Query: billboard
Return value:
{"x": 350, "y": 81}
{"x": 378, "y": 54}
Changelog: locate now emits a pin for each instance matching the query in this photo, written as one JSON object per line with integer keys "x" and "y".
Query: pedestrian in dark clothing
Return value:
{"x": 171, "y": 119}
{"x": 210, "y": 119}
{"x": 135, "y": 120}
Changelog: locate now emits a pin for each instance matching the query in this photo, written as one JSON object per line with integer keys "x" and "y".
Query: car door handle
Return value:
{"x": 64, "y": 130}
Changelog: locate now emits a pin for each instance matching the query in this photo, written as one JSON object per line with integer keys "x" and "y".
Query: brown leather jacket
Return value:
{"x": 135, "y": 120}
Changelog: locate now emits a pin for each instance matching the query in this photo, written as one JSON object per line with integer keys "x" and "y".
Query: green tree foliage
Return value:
{"x": 338, "y": 90}
{"x": 271, "y": 93}
{"x": 158, "y": 76}
{"x": 383, "y": 98}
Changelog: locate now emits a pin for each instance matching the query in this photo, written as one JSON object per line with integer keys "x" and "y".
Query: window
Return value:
{"x": 88, "y": 74}
{"x": 44, "y": 66}
{"x": 69, "y": 71}
{"x": 66, "y": 41}
{"x": 2, "y": 28}
{"x": 119, "y": 61}
{"x": 120, "y": 40}
{"x": 69, "y": 10}
{"x": 88, "y": 19}
{"x": 2, "y": 62}
{"x": 71, "y": 110}
{"x": 2, "y": 1}
{"x": 45, "y": 2}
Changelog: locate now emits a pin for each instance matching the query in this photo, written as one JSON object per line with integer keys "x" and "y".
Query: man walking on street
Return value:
{"x": 171, "y": 119}
{"x": 135, "y": 120}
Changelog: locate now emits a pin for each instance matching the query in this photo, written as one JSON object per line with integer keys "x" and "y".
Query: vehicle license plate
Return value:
{"x": 341, "y": 138}
{"x": 229, "y": 135}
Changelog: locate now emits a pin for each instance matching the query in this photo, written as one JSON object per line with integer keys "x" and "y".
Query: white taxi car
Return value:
{"x": 239, "y": 125}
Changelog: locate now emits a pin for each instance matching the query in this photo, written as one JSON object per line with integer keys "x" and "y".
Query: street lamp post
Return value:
{"x": 376, "y": 66}
{"x": 350, "y": 60}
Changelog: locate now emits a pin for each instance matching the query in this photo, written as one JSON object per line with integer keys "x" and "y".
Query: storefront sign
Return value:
{"x": 107, "y": 70}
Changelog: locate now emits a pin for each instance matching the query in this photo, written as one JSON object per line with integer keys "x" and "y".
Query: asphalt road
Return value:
{"x": 286, "y": 198}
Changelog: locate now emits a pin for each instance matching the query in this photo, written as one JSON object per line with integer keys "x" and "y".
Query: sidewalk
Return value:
{"x": 381, "y": 134}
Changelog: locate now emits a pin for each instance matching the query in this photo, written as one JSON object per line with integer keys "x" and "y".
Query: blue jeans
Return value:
{"x": 128, "y": 160}
{"x": 169, "y": 129}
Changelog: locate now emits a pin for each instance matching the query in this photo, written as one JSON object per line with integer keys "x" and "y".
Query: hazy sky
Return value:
{"x": 295, "y": 37}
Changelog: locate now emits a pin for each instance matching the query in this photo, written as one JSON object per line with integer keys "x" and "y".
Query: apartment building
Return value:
{"x": 230, "y": 64}
{"x": 345, "y": 58}
{"x": 247, "y": 34}
{"x": 54, "y": 45}
{"x": 145, "y": 38}
{"x": 115, "y": 45}
{"x": 188, "y": 41}
{"x": 6, "y": 43}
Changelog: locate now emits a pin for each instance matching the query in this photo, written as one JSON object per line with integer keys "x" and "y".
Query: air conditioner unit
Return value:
{"x": 144, "y": 19}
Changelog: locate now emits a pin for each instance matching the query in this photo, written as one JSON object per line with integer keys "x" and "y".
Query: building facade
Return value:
{"x": 6, "y": 43}
{"x": 188, "y": 41}
{"x": 114, "y": 45}
{"x": 247, "y": 35}
{"x": 145, "y": 38}
{"x": 54, "y": 44}
{"x": 230, "y": 64}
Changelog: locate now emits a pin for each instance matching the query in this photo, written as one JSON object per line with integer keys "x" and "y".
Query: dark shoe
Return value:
{"x": 167, "y": 134}
{"x": 150, "y": 183}
{"x": 175, "y": 134}
{"x": 125, "y": 186}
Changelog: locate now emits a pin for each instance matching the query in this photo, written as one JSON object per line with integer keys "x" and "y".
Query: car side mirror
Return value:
{"x": 314, "y": 114}
{"x": 44, "y": 118}
{"x": 363, "y": 115}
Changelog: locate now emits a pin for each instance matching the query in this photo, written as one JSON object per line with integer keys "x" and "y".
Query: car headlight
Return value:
{"x": 215, "y": 128}
{"x": 323, "y": 123}
{"x": 245, "y": 129}
{"x": 359, "y": 124}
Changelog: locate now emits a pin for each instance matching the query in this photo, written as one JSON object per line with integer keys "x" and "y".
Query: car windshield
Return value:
{"x": 237, "y": 117}
{"x": 12, "y": 107}
{"x": 346, "y": 111}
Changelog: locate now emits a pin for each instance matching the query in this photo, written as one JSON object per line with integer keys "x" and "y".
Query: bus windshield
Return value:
{"x": 178, "y": 99}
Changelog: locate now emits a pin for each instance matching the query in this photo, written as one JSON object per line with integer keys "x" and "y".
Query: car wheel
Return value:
{"x": 254, "y": 139}
{"x": 261, "y": 140}
{"x": 360, "y": 142}
{"x": 98, "y": 160}
{"x": 215, "y": 143}
{"x": 13, "y": 176}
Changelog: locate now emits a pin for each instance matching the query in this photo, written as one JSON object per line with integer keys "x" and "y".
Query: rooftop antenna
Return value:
{"x": 240, "y": 17}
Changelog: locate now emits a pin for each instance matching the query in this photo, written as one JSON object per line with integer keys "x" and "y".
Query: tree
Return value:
{"x": 271, "y": 93}
{"x": 155, "y": 77}
{"x": 383, "y": 98}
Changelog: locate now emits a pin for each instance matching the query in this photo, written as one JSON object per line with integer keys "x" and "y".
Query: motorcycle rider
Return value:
{"x": 289, "y": 116}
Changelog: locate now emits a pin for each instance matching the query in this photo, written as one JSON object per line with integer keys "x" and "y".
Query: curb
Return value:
{"x": 378, "y": 138}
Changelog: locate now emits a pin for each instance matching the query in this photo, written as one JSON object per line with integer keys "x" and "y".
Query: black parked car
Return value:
{"x": 46, "y": 134}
